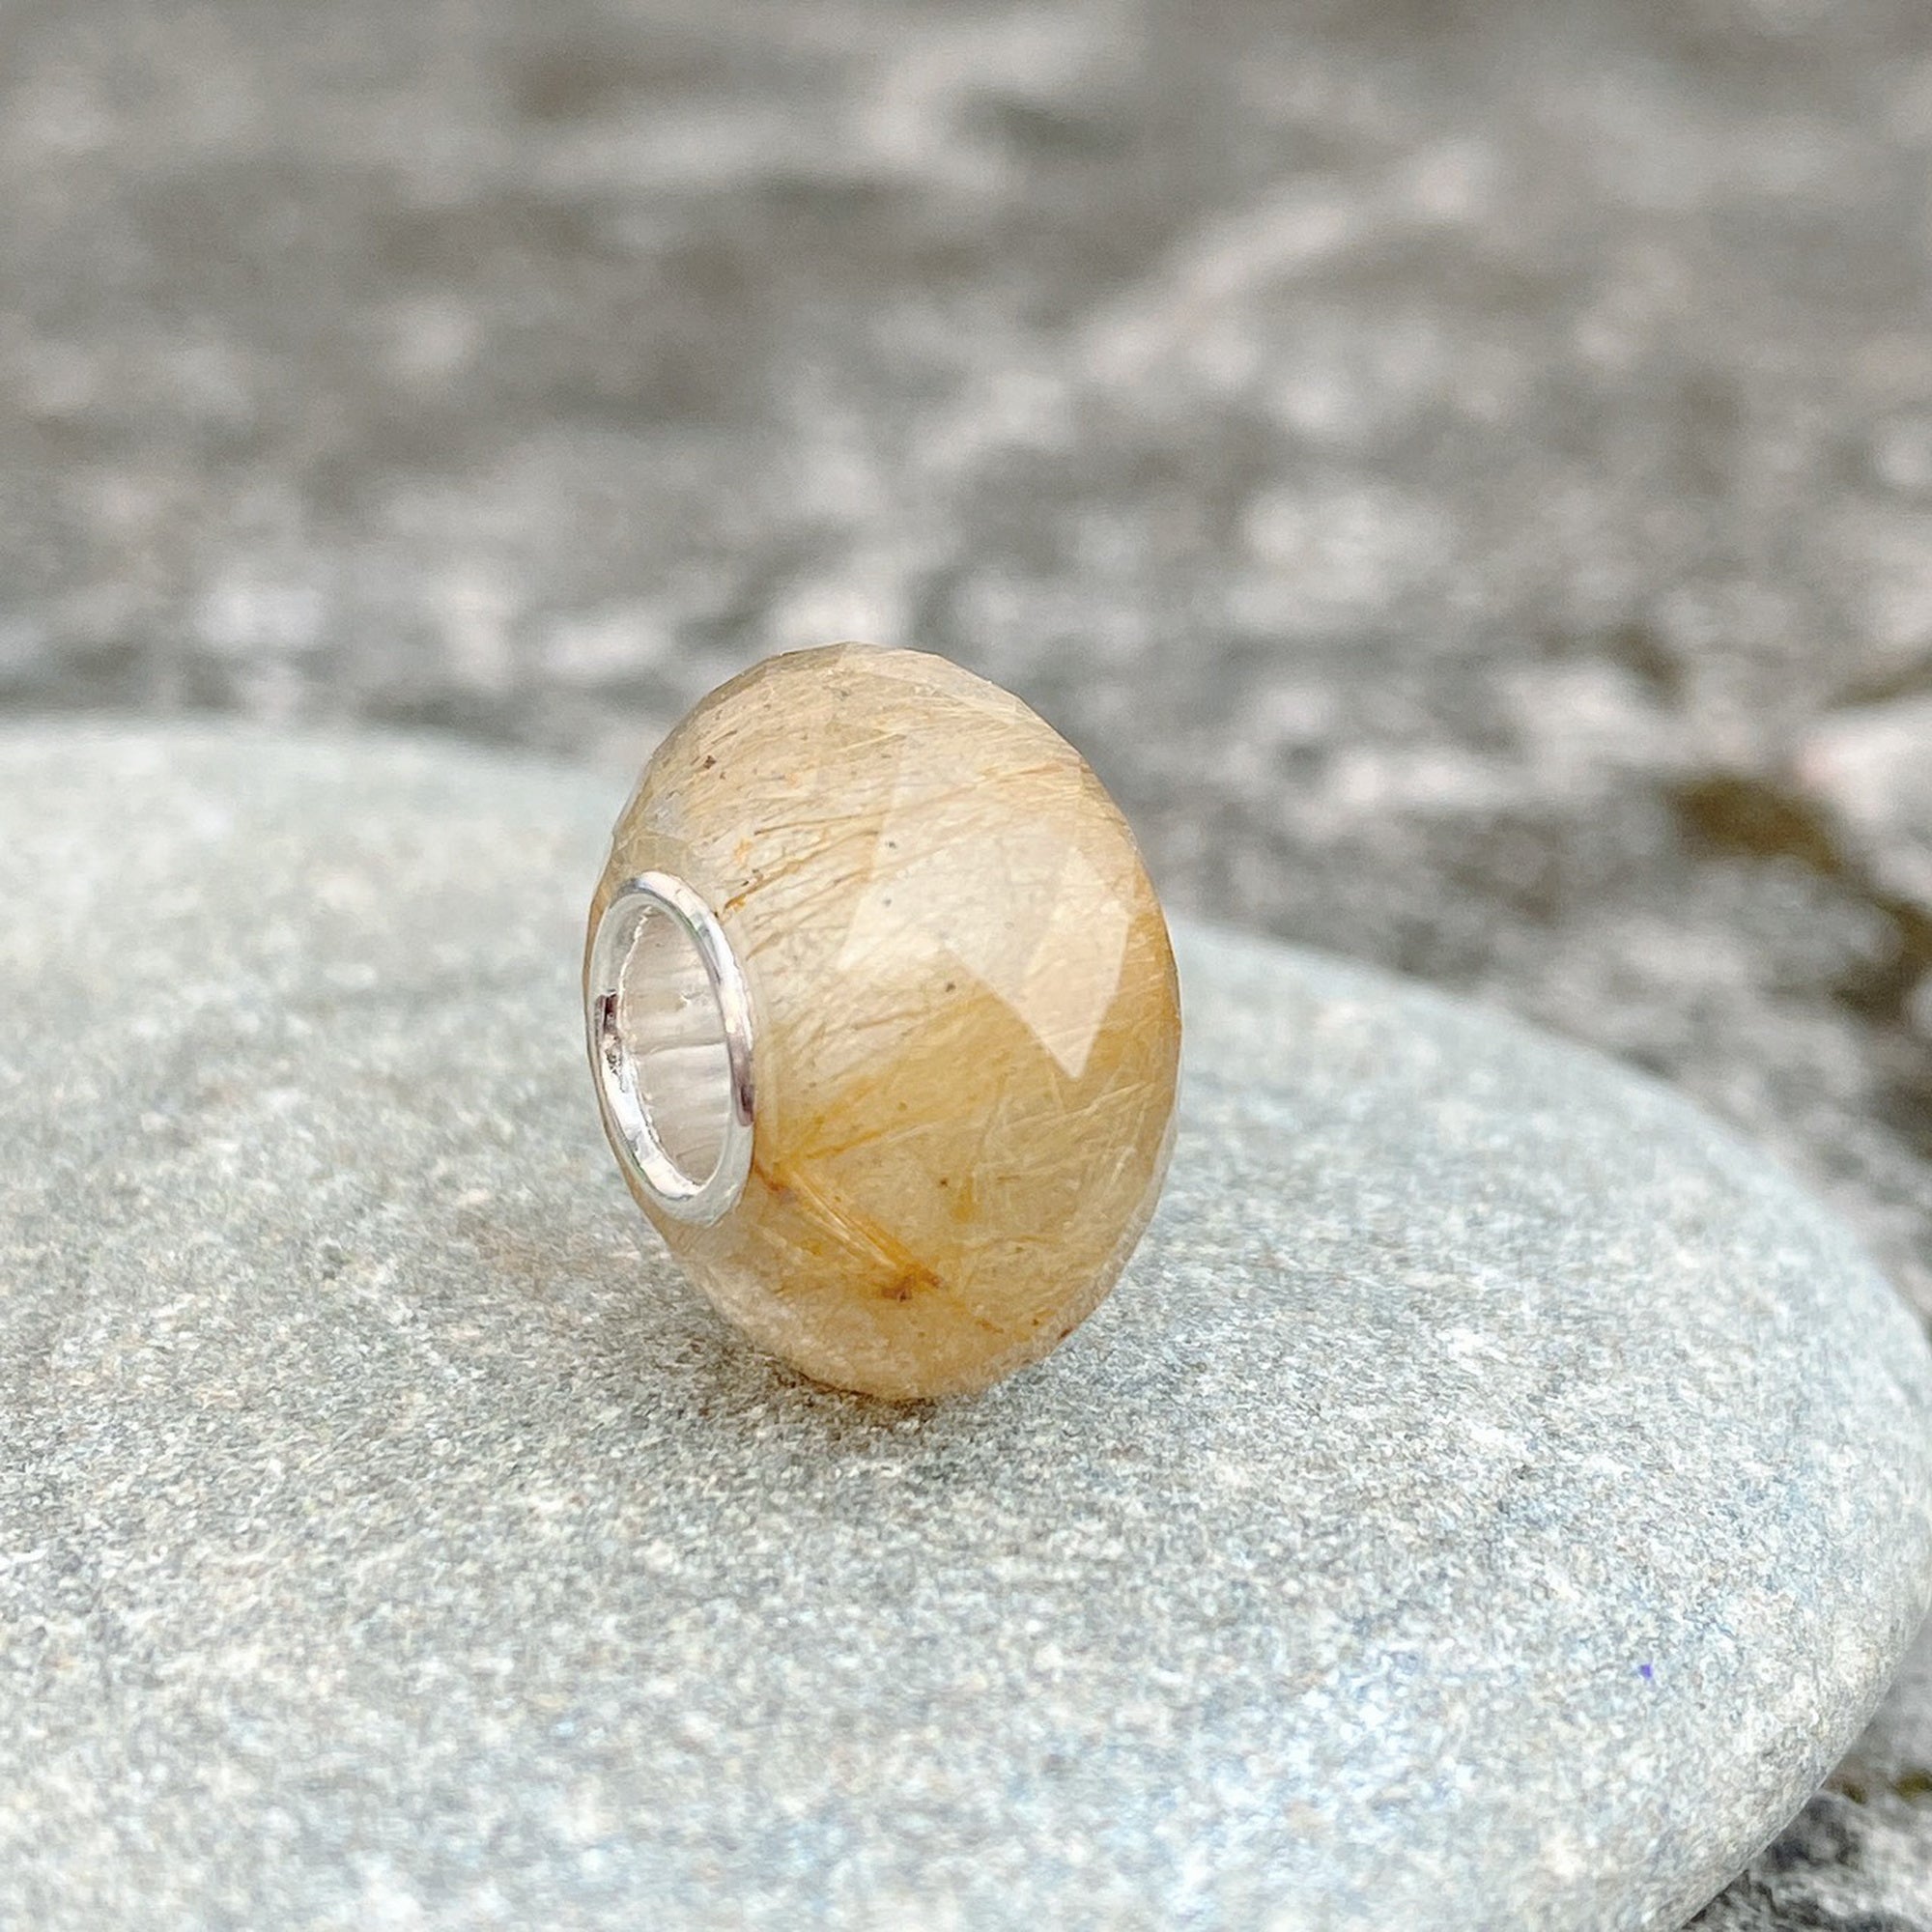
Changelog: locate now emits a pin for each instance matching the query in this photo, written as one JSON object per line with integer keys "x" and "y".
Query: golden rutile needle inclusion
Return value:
{"x": 967, "y": 1021}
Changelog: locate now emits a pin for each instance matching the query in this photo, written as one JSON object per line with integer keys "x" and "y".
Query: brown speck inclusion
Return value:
{"x": 968, "y": 1019}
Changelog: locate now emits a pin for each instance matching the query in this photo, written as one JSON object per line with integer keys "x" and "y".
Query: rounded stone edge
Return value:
{"x": 1206, "y": 951}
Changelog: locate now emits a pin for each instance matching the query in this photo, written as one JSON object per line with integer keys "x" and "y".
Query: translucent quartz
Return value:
{"x": 968, "y": 1025}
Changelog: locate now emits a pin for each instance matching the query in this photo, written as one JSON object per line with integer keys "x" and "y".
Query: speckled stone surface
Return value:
{"x": 1493, "y": 1497}
{"x": 1463, "y": 472}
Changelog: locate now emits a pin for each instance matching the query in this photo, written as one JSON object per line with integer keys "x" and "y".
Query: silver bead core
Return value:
{"x": 668, "y": 1013}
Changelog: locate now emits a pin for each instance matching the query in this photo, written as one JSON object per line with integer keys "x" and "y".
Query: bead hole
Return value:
{"x": 670, "y": 1040}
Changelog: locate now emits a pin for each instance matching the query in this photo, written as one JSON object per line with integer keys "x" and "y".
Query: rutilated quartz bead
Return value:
{"x": 966, "y": 1016}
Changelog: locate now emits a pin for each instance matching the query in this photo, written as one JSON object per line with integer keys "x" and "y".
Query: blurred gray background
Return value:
{"x": 1463, "y": 471}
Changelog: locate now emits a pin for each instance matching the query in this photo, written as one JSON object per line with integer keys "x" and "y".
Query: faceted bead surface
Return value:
{"x": 968, "y": 1024}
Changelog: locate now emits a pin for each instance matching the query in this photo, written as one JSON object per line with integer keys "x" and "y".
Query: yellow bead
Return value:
{"x": 967, "y": 1020}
